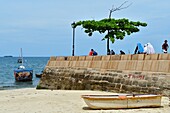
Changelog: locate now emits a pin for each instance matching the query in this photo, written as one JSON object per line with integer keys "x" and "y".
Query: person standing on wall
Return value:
{"x": 165, "y": 46}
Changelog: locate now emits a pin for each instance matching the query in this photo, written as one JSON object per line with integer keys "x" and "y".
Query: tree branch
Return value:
{"x": 118, "y": 8}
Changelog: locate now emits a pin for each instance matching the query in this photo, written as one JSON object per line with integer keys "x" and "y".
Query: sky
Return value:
{"x": 42, "y": 28}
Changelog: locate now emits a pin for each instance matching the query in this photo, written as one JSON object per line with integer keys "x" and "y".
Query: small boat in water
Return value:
{"x": 38, "y": 75}
{"x": 22, "y": 73}
{"x": 19, "y": 60}
{"x": 122, "y": 101}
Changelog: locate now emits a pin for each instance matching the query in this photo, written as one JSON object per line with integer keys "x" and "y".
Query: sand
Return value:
{"x": 30, "y": 100}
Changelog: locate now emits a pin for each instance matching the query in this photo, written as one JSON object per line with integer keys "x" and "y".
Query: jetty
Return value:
{"x": 132, "y": 73}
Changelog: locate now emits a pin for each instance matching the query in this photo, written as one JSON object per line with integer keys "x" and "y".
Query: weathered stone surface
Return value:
{"x": 139, "y": 78}
{"x": 72, "y": 79}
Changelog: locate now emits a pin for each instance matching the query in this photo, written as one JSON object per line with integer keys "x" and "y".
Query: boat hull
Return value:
{"x": 122, "y": 102}
{"x": 23, "y": 74}
{"x": 38, "y": 75}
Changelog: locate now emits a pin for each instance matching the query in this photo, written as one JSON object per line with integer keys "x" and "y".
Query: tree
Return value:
{"x": 114, "y": 28}
{"x": 110, "y": 15}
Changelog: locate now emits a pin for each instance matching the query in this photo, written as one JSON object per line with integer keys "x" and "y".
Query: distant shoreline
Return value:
{"x": 8, "y": 56}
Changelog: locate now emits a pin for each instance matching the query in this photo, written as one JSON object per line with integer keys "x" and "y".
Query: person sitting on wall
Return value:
{"x": 145, "y": 49}
{"x": 148, "y": 49}
{"x": 112, "y": 52}
{"x": 122, "y": 53}
{"x": 92, "y": 53}
{"x": 139, "y": 49}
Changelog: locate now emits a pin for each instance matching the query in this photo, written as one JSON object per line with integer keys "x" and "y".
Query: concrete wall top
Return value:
{"x": 135, "y": 62}
{"x": 89, "y": 58}
{"x": 52, "y": 58}
{"x": 61, "y": 58}
{"x": 164, "y": 57}
{"x": 151, "y": 57}
{"x": 73, "y": 58}
{"x": 82, "y": 58}
{"x": 107, "y": 58}
{"x": 126, "y": 57}
{"x": 138, "y": 57}
{"x": 97, "y": 57}
{"x": 115, "y": 57}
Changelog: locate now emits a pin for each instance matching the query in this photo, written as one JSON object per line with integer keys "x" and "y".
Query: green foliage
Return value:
{"x": 116, "y": 29}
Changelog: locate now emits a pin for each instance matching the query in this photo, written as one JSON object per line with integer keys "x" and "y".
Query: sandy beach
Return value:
{"x": 30, "y": 100}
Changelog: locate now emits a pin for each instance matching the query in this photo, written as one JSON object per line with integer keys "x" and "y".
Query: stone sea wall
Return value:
{"x": 138, "y": 73}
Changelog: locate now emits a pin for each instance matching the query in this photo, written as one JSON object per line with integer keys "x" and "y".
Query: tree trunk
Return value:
{"x": 108, "y": 52}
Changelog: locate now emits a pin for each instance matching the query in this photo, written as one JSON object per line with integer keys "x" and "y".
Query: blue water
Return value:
{"x": 8, "y": 64}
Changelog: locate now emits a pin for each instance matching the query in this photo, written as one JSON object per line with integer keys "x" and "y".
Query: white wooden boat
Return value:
{"x": 122, "y": 101}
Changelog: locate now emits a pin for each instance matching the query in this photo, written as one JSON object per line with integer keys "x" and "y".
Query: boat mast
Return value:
{"x": 22, "y": 57}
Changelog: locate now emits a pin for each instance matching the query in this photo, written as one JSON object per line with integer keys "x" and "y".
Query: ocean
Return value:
{"x": 7, "y": 66}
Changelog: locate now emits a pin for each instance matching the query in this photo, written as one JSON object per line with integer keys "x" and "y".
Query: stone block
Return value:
{"x": 69, "y": 58}
{"x": 138, "y": 56}
{"x": 113, "y": 65}
{"x": 63, "y": 63}
{"x": 82, "y": 58}
{"x": 60, "y": 58}
{"x": 89, "y": 58}
{"x": 52, "y": 63}
{"x": 147, "y": 57}
{"x": 115, "y": 57}
{"x": 48, "y": 63}
{"x": 151, "y": 56}
{"x": 82, "y": 64}
{"x": 131, "y": 65}
{"x": 107, "y": 58}
{"x": 122, "y": 65}
{"x": 87, "y": 64}
{"x": 78, "y": 64}
{"x": 126, "y": 57}
{"x": 97, "y": 58}
{"x": 164, "y": 66}
{"x": 96, "y": 64}
{"x": 66, "y": 63}
{"x": 154, "y": 66}
{"x": 72, "y": 64}
{"x": 139, "y": 65}
{"x": 104, "y": 64}
{"x": 154, "y": 56}
{"x": 147, "y": 65}
{"x": 57, "y": 63}
{"x": 73, "y": 58}
{"x": 52, "y": 58}
{"x": 163, "y": 56}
